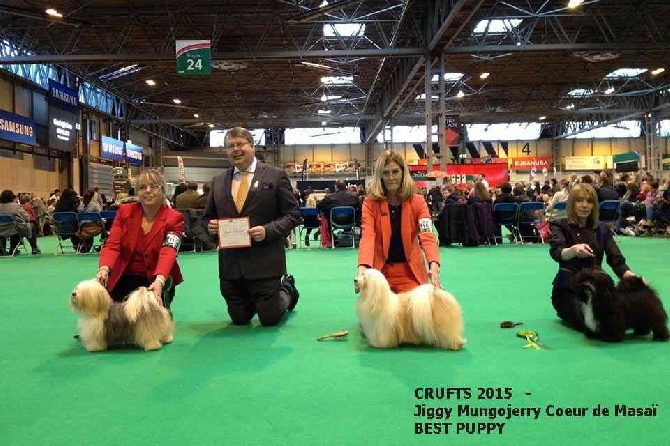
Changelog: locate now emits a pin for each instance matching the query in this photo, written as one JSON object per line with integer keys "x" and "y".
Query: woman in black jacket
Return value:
{"x": 581, "y": 242}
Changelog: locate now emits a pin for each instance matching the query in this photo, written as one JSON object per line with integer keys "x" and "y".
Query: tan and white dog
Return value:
{"x": 425, "y": 315}
{"x": 140, "y": 319}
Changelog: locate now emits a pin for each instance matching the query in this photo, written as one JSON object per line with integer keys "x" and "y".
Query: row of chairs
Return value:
{"x": 532, "y": 213}
{"x": 342, "y": 219}
{"x": 67, "y": 224}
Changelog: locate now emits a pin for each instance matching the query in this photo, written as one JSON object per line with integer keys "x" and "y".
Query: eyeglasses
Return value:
{"x": 150, "y": 187}
{"x": 236, "y": 145}
{"x": 391, "y": 173}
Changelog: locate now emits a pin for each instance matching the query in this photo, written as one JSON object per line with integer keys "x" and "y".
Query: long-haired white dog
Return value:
{"x": 139, "y": 320}
{"x": 425, "y": 315}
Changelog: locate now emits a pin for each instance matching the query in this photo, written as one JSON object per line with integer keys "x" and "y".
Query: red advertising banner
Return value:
{"x": 495, "y": 174}
{"x": 529, "y": 163}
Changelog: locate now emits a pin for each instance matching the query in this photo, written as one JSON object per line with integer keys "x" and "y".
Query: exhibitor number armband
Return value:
{"x": 173, "y": 240}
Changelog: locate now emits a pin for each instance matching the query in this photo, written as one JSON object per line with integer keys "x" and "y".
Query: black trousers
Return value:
{"x": 265, "y": 297}
{"x": 129, "y": 283}
{"x": 566, "y": 302}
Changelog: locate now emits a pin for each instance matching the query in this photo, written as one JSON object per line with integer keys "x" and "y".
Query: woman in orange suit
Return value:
{"x": 143, "y": 244}
{"x": 397, "y": 227}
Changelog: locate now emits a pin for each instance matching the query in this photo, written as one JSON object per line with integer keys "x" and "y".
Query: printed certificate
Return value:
{"x": 234, "y": 233}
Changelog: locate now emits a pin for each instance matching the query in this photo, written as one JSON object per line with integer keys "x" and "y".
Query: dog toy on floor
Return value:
{"x": 509, "y": 324}
{"x": 339, "y": 335}
{"x": 532, "y": 337}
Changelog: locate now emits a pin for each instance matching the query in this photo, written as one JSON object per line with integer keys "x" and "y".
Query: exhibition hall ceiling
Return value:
{"x": 307, "y": 63}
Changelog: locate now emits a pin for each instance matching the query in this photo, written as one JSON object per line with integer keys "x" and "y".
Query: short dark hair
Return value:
{"x": 340, "y": 185}
{"x": 506, "y": 188}
{"x": 7, "y": 196}
{"x": 192, "y": 185}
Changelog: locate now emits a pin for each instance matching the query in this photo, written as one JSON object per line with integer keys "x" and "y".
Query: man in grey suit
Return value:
{"x": 253, "y": 280}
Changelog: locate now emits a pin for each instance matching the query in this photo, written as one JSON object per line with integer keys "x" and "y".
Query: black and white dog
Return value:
{"x": 609, "y": 311}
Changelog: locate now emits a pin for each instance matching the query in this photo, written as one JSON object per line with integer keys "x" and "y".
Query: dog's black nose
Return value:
{"x": 74, "y": 294}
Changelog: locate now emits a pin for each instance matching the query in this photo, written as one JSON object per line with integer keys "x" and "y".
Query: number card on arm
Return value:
{"x": 234, "y": 233}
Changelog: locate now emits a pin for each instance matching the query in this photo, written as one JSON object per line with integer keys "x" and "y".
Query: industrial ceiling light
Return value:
{"x": 53, "y": 13}
{"x": 195, "y": 115}
{"x": 323, "y": 112}
{"x": 610, "y": 90}
{"x": 542, "y": 118}
{"x": 484, "y": 75}
{"x": 460, "y": 94}
{"x": 324, "y": 98}
{"x": 572, "y": 4}
{"x": 657, "y": 71}
{"x": 176, "y": 101}
{"x": 323, "y": 123}
{"x": 211, "y": 126}
{"x": 150, "y": 82}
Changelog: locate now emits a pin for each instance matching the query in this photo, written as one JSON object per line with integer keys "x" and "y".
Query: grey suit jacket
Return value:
{"x": 270, "y": 203}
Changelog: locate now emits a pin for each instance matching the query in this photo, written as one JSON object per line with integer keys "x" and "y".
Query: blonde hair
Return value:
{"x": 377, "y": 190}
{"x": 579, "y": 191}
{"x": 151, "y": 176}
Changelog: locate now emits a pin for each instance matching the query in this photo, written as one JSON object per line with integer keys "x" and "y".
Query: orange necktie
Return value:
{"x": 242, "y": 191}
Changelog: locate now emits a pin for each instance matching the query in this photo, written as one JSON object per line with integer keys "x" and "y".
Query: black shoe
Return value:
{"x": 288, "y": 281}
{"x": 307, "y": 240}
{"x": 36, "y": 251}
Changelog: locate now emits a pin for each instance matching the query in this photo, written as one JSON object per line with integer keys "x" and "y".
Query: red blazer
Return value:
{"x": 120, "y": 246}
{"x": 376, "y": 235}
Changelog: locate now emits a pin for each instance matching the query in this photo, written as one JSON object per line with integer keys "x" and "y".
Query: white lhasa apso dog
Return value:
{"x": 425, "y": 315}
{"x": 139, "y": 320}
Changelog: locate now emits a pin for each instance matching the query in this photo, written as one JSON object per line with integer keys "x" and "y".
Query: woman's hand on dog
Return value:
{"x": 435, "y": 274}
{"x": 157, "y": 287}
{"x": 102, "y": 275}
{"x": 630, "y": 273}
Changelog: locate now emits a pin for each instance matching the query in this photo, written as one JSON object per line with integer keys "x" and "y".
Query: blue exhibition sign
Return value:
{"x": 17, "y": 128}
{"x": 134, "y": 154}
{"x": 63, "y": 96}
{"x": 112, "y": 149}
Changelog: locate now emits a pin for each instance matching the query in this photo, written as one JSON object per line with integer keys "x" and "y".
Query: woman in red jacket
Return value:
{"x": 397, "y": 227}
{"x": 143, "y": 244}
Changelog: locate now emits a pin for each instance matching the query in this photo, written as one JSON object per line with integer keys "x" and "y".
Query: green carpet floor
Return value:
{"x": 220, "y": 384}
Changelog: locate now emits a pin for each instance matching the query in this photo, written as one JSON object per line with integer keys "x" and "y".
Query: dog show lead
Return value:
{"x": 143, "y": 244}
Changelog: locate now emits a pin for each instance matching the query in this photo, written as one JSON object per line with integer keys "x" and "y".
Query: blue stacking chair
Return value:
{"x": 528, "y": 215}
{"x": 66, "y": 224}
{"x": 506, "y": 214}
{"x": 608, "y": 212}
{"x": 342, "y": 218}
{"x": 310, "y": 220}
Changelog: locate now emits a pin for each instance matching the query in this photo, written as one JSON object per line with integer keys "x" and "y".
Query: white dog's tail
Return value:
{"x": 436, "y": 317}
{"x": 140, "y": 302}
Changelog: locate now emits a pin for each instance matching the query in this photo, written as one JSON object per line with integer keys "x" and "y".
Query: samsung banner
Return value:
{"x": 134, "y": 154}
{"x": 112, "y": 149}
{"x": 17, "y": 128}
{"x": 63, "y": 97}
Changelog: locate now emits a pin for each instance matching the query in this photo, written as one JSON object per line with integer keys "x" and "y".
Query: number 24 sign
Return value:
{"x": 194, "y": 57}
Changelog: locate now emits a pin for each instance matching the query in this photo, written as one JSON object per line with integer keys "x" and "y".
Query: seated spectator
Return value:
{"x": 480, "y": 194}
{"x": 559, "y": 197}
{"x": 28, "y": 207}
{"x": 342, "y": 197}
{"x": 88, "y": 229}
{"x": 9, "y": 205}
{"x": 606, "y": 190}
{"x": 189, "y": 198}
{"x": 505, "y": 195}
{"x": 69, "y": 202}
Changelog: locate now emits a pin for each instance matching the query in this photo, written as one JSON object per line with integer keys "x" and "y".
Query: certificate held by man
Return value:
{"x": 234, "y": 233}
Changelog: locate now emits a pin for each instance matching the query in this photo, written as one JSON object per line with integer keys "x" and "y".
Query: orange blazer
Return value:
{"x": 416, "y": 228}
{"x": 120, "y": 246}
